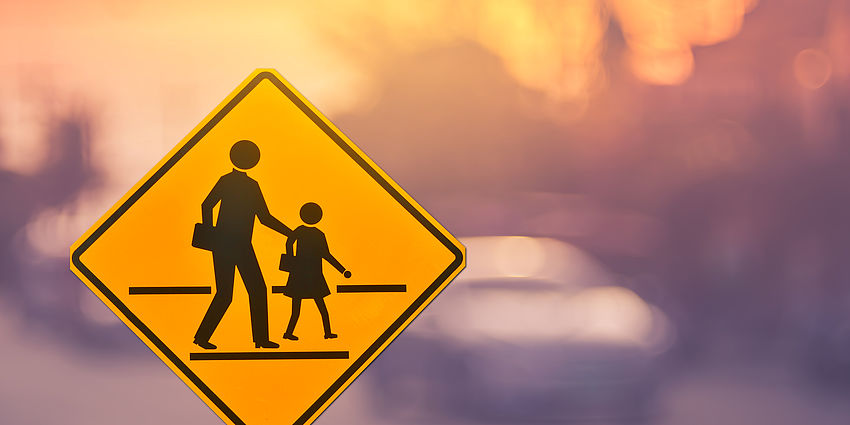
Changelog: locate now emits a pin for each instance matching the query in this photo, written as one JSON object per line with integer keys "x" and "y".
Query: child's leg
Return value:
{"x": 326, "y": 319}
{"x": 293, "y": 319}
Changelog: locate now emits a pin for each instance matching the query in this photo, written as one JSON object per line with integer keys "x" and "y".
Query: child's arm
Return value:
{"x": 334, "y": 262}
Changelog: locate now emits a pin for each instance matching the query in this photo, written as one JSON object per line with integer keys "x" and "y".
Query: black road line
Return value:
{"x": 271, "y": 355}
{"x": 353, "y": 289}
{"x": 169, "y": 290}
{"x": 370, "y": 288}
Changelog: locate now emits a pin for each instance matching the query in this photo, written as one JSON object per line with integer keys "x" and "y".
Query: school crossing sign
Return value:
{"x": 266, "y": 260}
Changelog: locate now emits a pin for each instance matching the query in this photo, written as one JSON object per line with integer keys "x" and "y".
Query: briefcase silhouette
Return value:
{"x": 287, "y": 262}
{"x": 204, "y": 237}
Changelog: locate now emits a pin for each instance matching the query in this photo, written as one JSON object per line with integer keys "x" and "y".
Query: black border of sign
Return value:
{"x": 370, "y": 352}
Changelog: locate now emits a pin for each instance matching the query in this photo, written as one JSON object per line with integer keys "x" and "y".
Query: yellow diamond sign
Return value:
{"x": 266, "y": 259}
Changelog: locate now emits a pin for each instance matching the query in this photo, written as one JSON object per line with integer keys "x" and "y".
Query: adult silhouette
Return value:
{"x": 241, "y": 202}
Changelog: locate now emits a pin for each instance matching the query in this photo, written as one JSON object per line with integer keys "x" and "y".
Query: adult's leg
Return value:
{"x": 326, "y": 318}
{"x": 249, "y": 269}
{"x": 223, "y": 266}
{"x": 293, "y": 318}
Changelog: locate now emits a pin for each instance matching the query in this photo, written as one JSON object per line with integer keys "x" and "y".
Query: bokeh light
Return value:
{"x": 812, "y": 68}
{"x": 661, "y": 33}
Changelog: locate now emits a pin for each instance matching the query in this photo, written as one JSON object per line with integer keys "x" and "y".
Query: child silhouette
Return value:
{"x": 306, "y": 279}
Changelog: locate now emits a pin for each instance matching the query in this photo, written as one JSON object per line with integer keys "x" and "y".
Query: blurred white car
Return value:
{"x": 533, "y": 330}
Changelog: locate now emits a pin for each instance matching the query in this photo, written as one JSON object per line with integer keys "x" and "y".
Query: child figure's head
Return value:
{"x": 311, "y": 213}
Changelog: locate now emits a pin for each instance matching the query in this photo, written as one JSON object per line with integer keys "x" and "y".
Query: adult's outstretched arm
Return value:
{"x": 267, "y": 219}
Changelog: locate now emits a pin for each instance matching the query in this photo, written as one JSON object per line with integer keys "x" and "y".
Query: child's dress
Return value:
{"x": 306, "y": 279}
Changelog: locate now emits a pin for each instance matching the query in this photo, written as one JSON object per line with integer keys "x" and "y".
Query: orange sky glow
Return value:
{"x": 151, "y": 71}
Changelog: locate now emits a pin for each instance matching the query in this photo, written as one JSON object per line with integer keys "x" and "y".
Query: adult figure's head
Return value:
{"x": 244, "y": 154}
{"x": 311, "y": 213}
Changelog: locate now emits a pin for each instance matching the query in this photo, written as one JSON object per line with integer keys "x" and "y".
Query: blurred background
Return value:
{"x": 651, "y": 192}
